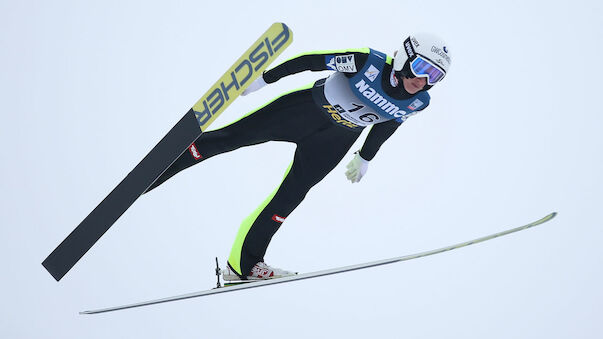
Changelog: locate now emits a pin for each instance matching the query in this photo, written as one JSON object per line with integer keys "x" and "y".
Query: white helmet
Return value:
{"x": 423, "y": 55}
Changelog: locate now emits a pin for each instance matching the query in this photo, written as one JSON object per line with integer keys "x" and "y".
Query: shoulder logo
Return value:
{"x": 345, "y": 63}
{"x": 415, "y": 104}
{"x": 330, "y": 62}
{"x": 371, "y": 73}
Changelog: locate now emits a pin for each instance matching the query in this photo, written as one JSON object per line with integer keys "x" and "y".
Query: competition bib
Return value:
{"x": 361, "y": 99}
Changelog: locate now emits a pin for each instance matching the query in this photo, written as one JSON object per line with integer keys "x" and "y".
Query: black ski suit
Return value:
{"x": 304, "y": 118}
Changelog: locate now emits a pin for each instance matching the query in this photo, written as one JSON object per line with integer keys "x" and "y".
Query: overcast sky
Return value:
{"x": 512, "y": 134}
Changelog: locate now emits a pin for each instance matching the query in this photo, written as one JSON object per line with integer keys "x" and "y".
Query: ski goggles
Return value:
{"x": 421, "y": 67}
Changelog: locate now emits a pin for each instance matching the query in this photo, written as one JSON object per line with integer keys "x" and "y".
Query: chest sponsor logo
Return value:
{"x": 415, "y": 104}
{"x": 385, "y": 105}
{"x": 335, "y": 114}
{"x": 345, "y": 63}
{"x": 371, "y": 73}
{"x": 194, "y": 152}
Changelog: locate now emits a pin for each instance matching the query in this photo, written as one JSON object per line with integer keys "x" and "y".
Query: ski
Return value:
{"x": 247, "y": 68}
{"x": 338, "y": 270}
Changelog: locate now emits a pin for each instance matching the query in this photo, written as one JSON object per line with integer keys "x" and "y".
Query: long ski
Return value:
{"x": 247, "y": 68}
{"x": 321, "y": 273}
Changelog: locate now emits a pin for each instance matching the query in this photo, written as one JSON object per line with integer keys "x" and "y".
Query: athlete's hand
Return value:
{"x": 356, "y": 168}
{"x": 256, "y": 85}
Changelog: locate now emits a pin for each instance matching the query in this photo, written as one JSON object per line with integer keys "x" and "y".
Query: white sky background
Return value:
{"x": 513, "y": 133}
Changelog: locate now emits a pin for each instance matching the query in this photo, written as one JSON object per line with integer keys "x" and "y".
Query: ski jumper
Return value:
{"x": 323, "y": 119}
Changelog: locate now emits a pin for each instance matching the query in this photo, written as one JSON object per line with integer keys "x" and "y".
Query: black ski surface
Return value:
{"x": 246, "y": 69}
{"x": 92, "y": 228}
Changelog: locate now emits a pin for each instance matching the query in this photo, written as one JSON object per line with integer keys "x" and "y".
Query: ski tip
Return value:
{"x": 545, "y": 218}
{"x": 285, "y": 27}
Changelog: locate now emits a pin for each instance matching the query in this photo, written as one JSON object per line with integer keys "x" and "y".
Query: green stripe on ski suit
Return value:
{"x": 365, "y": 50}
{"x": 308, "y": 86}
{"x": 235, "y": 253}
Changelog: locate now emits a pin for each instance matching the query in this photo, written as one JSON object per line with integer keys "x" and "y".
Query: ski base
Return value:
{"x": 237, "y": 283}
{"x": 254, "y": 284}
{"x": 236, "y": 79}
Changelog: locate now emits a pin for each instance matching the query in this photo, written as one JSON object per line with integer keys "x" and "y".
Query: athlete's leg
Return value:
{"x": 315, "y": 157}
{"x": 281, "y": 120}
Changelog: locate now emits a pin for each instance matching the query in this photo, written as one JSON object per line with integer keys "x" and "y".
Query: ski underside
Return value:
{"x": 254, "y": 284}
{"x": 236, "y": 79}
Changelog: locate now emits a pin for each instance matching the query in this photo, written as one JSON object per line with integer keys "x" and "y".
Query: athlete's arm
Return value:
{"x": 378, "y": 134}
{"x": 319, "y": 61}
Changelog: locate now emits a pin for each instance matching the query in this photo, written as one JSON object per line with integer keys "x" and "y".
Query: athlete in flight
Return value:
{"x": 368, "y": 88}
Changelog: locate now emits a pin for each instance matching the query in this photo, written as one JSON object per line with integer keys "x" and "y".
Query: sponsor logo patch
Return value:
{"x": 415, "y": 104}
{"x": 442, "y": 53}
{"x": 385, "y": 105}
{"x": 409, "y": 50}
{"x": 335, "y": 114}
{"x": 345, "y": 63}
{"x": 194, "y": 152}
{"x": 415, "y": 41}
{"x": 371, "y": 73}
{"x": 278, "y": 218}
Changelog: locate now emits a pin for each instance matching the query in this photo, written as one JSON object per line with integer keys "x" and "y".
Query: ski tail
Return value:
{"x": 98, "y": 222}
{"x": 247, "y": 68}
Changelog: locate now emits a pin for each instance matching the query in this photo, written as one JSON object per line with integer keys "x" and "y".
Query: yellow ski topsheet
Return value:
{"x": 240, "y": 75}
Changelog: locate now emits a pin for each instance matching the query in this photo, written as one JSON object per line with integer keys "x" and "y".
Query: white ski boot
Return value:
{"x": 260, "y": 271}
